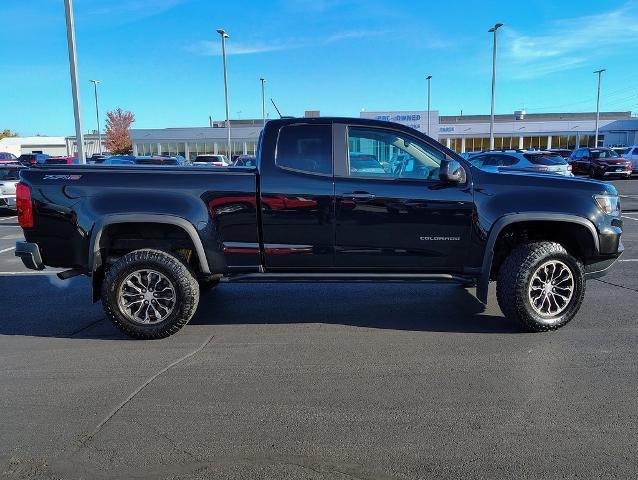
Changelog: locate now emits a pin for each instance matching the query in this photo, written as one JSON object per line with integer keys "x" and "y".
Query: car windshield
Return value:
{"x": 604, "y": 154}
{"x": 8, "y": 173}
{"x": 537, "y": 159}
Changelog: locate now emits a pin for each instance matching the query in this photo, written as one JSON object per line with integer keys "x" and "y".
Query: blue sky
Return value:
{"x": 161, "y": 58}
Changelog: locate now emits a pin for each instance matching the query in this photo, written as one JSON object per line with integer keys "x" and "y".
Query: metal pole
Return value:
{"x": 263, "y": 99}
{"x": 70, "y": 36}
{"x": 224, "y": 36}
{"x": 493, "y": 30}
{"x": 599, "y": 72}
{"x": 428, "y": 78}
{"x": 97, "y": 116}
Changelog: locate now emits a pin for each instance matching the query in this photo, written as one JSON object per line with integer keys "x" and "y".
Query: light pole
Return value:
{"x": 263, "y": 99}
{"x": 97, "y": 116}
{"x": 224, "y": 36}
{"x": 428, "y": 78}
{"x": 493, "y": 30}
{"x": 600, "y": 73}
{"x": 70, "y": 36}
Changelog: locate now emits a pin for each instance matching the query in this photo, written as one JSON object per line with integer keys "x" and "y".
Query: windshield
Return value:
{"x": 604, "y": 154}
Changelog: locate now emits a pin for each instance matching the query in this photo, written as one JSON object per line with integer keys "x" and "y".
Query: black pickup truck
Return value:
{"x": 331, "y": 199}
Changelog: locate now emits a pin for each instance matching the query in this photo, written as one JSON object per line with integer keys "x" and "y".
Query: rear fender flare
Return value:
{"x": 501, "y": 223}
{"x": 95, "y": 260}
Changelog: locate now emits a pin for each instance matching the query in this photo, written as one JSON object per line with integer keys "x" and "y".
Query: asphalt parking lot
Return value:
{"x": 319, "y": 382}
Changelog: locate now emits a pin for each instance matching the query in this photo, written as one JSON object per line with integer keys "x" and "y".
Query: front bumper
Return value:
{"x": 611, "y": 248}
{"x": 30, "y": 255}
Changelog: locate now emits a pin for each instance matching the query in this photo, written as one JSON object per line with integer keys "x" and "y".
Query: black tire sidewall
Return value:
{"x": 575, "y": 301}
{"x": 167, "y": 265}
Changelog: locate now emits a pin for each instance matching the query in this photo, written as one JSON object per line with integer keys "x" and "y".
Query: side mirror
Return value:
{"x": 452, "y": 171}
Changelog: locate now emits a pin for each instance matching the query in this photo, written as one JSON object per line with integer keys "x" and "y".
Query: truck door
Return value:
{"x": 297, "y": 199}
{"x": 392, "y": 210}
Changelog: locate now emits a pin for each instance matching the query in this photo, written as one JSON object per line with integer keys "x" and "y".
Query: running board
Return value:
{"x": 346, "y": 277}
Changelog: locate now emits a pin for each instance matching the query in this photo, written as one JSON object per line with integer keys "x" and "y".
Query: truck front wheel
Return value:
{"x": 541, "y": 286}
{"x": 149, "y": 294}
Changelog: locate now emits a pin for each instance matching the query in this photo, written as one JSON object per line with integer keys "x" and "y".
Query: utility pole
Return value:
{"x": 599, "y": 73}
{"x": 428, "y": 78}
{"x": 493, "y": 30}
{"x": 97, "y": 116}
{"x": 263, "y": 99}
{"x": 70, "y": 36}
{"x": 224, "y": 36}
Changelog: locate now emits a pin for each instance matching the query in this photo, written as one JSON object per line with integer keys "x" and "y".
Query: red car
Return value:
{"x": 6, "y": 157}
{"x": 599, "y": 163}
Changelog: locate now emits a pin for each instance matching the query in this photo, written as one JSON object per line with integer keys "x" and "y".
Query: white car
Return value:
{"x": 211, "y": 160}
{"x": 631, "y": 154}
{"x": 532, "y": 160}
{"x": 8, "y": 181}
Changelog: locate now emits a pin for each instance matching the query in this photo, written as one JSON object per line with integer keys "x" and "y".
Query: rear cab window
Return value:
{"x": 305, "y": 148}
{"x": 551, "y": 160}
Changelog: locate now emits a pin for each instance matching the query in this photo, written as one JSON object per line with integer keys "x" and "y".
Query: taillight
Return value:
{"x": 24, "y": 205}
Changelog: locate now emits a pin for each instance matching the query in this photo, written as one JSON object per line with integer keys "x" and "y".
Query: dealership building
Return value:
{"x": 462, "y": 133}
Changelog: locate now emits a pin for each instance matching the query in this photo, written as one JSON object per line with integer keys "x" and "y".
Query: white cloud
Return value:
{"x": 569, "y": 43}
{"x": 213, "y": 48}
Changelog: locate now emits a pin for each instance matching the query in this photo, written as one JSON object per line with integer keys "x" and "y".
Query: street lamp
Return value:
{"x": 97, "y": 116}
{"x": 428, "y": 78}
{"x": 224, "y": 36}
{"x": 263, "y": 99}
{"x": 493, "y": 30}
{"x": 70, "y": 37}
{"x": 599, "y": 73}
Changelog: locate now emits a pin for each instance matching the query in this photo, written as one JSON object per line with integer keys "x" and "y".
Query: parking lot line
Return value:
{"x": 631, "y": 218}
{"x": 7, "y": 249}
{"x": 8, "y": 218}
{"x": 629, "y": 260}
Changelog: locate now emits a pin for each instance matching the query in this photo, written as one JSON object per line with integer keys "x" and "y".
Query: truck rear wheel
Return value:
{"x": 541, "y": 286}
{"x": 149, "y": 294}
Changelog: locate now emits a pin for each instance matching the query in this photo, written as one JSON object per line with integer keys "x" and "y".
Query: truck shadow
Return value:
{"x": 46, "y": 307}
{"x": 397, "y": 306}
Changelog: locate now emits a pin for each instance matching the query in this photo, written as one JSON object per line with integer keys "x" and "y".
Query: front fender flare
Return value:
{"x": 504, "y": 221}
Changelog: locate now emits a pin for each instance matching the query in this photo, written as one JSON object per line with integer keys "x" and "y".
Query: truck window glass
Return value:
{"x": 378, "y": 153}
{"x": 306, "y": 148}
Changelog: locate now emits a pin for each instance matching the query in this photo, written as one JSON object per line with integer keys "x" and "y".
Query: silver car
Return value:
{"x": 8, "y": 181}
{"x": 532, "y": 160}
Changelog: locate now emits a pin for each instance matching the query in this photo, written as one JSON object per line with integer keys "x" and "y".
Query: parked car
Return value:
{"x": 151, "y": 243}
{"x": 140, "y": 160}
{"x": 98, "y": 158}
{"x": 620, "y": 150}
{"x": 32, "y": 158}
{"x": 6, "y": 157}
{"x": 61, "y": 161}
{"x": 365, "y": 164}
{"x": 214, "y": 160}
{"x": 537, "y": 161}
{"x": 563, "y": 152}
{"x": 631, "y": 154}
{"x": 246, "y": 161}
{"x": 599, "y": 163}
{"x": 8, "y": 181}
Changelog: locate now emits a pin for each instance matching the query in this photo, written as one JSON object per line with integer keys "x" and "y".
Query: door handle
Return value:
{"x": 359, "y": 195}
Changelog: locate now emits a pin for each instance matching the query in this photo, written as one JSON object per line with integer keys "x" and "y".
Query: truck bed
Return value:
{"x": 74, "y": 205}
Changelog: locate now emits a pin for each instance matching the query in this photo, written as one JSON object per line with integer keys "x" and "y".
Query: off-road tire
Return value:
{"x": 516, "y": 274}
{"x": 182, "y": 278}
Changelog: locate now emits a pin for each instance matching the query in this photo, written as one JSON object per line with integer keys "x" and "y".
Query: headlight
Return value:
{"x": 610, "y": 204}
